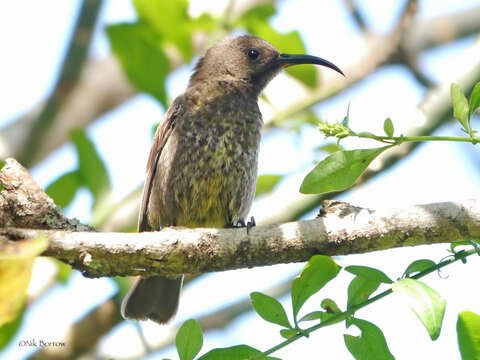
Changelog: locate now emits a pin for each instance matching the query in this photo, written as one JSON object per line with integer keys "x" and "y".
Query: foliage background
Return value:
{"x": 35, "y": 44}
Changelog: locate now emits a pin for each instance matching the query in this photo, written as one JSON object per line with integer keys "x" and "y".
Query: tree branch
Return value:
{"x": 24, "y": 204}
{"x": 340, "y": 229}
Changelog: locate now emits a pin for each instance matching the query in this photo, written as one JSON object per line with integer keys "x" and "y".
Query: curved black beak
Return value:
{"x": 293, "y": 59}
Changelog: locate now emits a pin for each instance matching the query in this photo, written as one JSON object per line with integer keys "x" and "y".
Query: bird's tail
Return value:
{"x": 154, "y": 298}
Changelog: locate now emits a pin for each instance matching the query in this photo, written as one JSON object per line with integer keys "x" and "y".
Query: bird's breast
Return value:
{"x": 210, "y": 167}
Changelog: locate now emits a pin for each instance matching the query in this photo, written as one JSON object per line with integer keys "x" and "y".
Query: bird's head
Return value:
{"x": 248, "y": 59}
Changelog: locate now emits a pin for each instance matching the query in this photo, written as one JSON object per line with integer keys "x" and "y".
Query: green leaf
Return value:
{"x": 314, "y": 315}
{"x": 339, "y": 171}
{"x": 370, "y": 345}
{"x": 189, "y": 340}
{"x": 170, "y": 20}
{"x": 238, "y": 352}
{"x": 266, "y": 184}
{"x": 474, "y": 100}
{"x": 360, "y": 289}
{"x": 269, "y": 309}
{"x": 92, "y": 172}
{"x": 9, "y": 330}
{"x": 123, "y": 286}
{"x": 388, "y": 127}
{"x": 460, "y": 104}
{"x": 322, "y": 316}
{"x": 288, "y": 333}
{"x": 468, "y": 335}
{"x": 142, "y": 58}
{"x": 418, "y": 266}
{"x": 318, "y": 271}
{"x": 369, "y": 273}
{"x": 63, "y": 189}
{"x": 425, "y": 302}
{"x": 204, "y": 22}
{"x": 63, "y": 271}
{"x": 253, "y": 16}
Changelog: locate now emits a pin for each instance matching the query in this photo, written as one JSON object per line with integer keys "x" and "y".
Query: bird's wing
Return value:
{"x": 159, "y": 140}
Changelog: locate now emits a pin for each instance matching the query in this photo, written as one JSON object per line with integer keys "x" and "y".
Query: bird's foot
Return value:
{"x": 241, "y": 223}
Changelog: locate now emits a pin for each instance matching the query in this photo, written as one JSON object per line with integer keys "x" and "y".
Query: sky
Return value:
{"x": 35, "y": 35}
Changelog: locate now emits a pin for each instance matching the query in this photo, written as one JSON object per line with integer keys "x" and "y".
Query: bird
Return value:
{"x": 202, "y": 167}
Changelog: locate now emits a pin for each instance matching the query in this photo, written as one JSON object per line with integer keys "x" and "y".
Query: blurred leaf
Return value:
{"x": 339, "y": 171}
{"x": 291, "y": 43}
{"x": 288, "y": 333}
{"x": 9, "y": 330}
{"x": 418, "y": 266}
{"x": 370, "y": 345}
{"x": 330, "y": 148}
{"x": 319, "y": 270}
{"x": 123, "y": 284}
{"x": 170, "y": 20}
{"x": 142, "y": 58}
{"x": 474, "y": 99}
{"x": 255, "y": 21}
{"x": 269, "y": 309}
{"x": 299, "y": 121}
{"x": 63, "y": 189}
{"x": 468, "y": 335}
{"x": 16, "y": 262}
{"x": 266, "y": 184}
{"x": 359, "y": 290}
{"x": 63, "y": 271}
{"x": 189, "y": 340}
{"x": 369, "y": 273}
{"x": 460, "y": 104}
{"x": 91, "y": 169}
{"x": 205, "y": 22}
{"x": 257, "y": 14}
{"x": 425, "y": 302}
{"x": 238, "y": 352}
{"x": 388, "y": 127}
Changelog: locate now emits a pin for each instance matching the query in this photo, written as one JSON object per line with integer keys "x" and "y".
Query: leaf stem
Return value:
{"x": 401, "y": 139}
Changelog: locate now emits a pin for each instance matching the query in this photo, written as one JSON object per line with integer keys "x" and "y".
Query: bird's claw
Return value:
{"x": 251, "y": 223}
{"x": 241, "y": 223}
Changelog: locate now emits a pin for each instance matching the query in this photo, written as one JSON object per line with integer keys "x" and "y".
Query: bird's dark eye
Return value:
{"x": 253, "y": 54}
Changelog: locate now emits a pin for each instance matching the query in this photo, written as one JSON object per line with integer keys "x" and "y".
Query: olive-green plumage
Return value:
{"x": 202, "y": 168}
